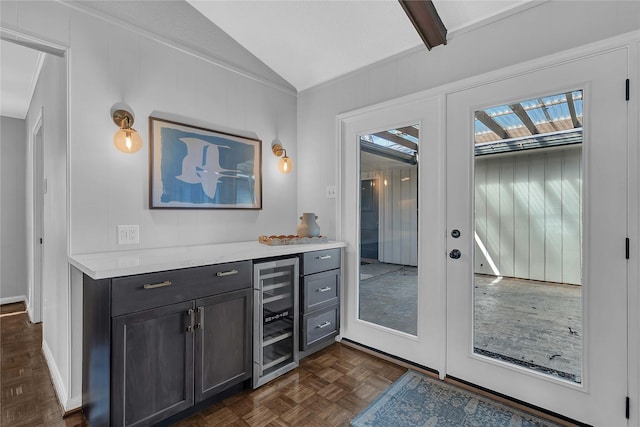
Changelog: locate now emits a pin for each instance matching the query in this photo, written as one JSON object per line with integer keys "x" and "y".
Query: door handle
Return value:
{"x": 455, "y": 254}
{"x": 191, "y": 320}
{"x": 200, "y": 324}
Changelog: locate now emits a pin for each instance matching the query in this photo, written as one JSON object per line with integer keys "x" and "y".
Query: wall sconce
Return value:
{"x": 127, "y": 138}
{"x": 286, "y": 164}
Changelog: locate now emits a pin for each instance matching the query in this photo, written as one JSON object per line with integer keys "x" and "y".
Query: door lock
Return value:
{"x": 455, "y": 254}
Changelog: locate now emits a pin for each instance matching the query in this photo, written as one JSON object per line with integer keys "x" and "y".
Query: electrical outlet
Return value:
{"x": 331, "y": 191}
{"x": 128, "y": 234}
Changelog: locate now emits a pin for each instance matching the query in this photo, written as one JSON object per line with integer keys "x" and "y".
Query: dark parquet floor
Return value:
{"x": 328, "y": 389}
{"x": 28, "y": 397}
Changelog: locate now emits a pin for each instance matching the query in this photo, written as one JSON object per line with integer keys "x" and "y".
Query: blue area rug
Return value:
{"x": 418, "y": 400}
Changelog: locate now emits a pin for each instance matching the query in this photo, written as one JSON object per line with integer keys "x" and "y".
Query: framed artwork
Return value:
{"x": 197, "y": 168}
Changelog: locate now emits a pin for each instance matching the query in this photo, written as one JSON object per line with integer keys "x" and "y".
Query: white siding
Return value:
{"x": 528, "y": 215}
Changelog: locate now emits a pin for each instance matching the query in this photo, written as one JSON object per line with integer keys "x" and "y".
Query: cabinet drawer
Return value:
{"x": 317, "y": 261}
{"x": 319, "y": 326}
{"x": 320, "y": 290}
{"x": 134, "y": 293}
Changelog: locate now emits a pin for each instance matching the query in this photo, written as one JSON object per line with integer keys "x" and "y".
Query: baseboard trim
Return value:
{"x": 56, "y": 378}
{"x": 74, "y": 404}
{"x": 12, "y": 300}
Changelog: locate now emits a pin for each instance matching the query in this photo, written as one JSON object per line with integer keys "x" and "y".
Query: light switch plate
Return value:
{"x": 331, "y": 191}
{"x": 128, "y": 234}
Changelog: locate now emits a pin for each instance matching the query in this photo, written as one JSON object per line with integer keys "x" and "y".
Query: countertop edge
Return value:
{"x": 105, "y": 265}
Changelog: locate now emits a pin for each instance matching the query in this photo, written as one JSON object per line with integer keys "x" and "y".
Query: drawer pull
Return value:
{"x": 323, "y": 325}
{"x": 226, "y": 273}
{"x": 324, "y": 257}
{"x": 158, "y": 285}
{"x": 325, "y": 289}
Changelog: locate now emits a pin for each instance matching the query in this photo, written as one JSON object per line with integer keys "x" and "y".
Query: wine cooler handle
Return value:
{"x": 157, "y": 285}
{"x": 323, "y": 325}
{"x": 226, "y": 273}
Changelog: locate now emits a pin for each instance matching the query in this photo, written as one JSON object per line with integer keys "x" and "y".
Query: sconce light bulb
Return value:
{"x": 285, "y": 165}
{"x": 127, "y": 140}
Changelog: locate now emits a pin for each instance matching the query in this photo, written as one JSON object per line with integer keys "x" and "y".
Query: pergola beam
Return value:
{"x": 491, "y": 124}
{"x": 397, "y": 140}
{"x": 410, "y": 130}
{"x": 524, "y": 118}
{"x": 424, "y": 17}
{"x": 572, "y": 110}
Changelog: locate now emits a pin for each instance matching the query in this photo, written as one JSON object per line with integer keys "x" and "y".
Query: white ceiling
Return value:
{"x": 309, "y": 42}
{"x": 306, "y": 42}
{"x": 20, "y": 69}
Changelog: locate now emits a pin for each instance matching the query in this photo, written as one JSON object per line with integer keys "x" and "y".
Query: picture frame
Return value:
{"x": 192, "y": 167}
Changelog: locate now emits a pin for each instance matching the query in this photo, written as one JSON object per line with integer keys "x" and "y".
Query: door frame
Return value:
{"x": 629, "y": 40}
{"x": 39, "y": 189}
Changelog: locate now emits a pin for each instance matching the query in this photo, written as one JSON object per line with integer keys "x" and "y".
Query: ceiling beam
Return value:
{"x": 572, "y": 110}
{"x": 397, "y": 140}
{"x": 424, "y": 17}
{"x": 491, "y": 124}
{"x": 524, "y": 118}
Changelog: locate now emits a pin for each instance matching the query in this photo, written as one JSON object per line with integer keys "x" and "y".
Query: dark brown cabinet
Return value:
{"x": 164, "y": 342}
{"x": 223, "y": 342}
{"x": 319, "y": 299}
{"x": 152, "y": 365}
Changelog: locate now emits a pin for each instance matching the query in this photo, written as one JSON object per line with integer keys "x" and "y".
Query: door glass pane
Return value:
{"x": 528, "y": 234}
{"x": 389, "y": 228}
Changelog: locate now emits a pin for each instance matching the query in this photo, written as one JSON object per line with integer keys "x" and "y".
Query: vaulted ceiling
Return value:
{"x": 311, "y": 42}
{"x": 294, "y": 43}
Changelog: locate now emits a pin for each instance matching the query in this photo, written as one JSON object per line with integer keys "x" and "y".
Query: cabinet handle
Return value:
{"x": 226, "y": 273}
{"x": 190, "y": 325}
{"x": 323, "y": 325}
{"x": 200, "y": 324}
{"x": 324, "y": 257}
{"x": 158, "y": 285}
{"x": 325, "y": 289}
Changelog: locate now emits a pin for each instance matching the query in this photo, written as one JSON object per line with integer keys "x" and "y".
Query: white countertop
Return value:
{"x": 105, "y": 265}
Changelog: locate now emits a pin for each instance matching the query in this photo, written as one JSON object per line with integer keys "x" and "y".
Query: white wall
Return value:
{"x": 551, "y": 27}
{"x": 528, "y": 209}
{"x": 109, "y": 65}
{"x": 13, "y": 253}
{"x": 109, "y": 62}
{"x": 49, "y": 103}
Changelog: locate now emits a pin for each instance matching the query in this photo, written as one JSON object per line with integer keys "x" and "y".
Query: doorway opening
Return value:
{"x": 528, "y": 234}
{"x": 388, "y": 281}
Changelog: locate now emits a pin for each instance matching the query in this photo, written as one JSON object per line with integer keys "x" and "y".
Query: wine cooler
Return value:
{"x": 275, "y": 333}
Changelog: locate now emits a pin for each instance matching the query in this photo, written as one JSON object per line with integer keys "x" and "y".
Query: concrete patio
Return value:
{"x": 525, "y": 322}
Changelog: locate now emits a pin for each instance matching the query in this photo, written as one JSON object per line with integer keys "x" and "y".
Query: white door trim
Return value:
{"x": 37, "y": 215}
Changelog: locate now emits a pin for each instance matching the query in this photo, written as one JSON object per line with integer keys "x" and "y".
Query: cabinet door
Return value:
{"x": 152, "y": 362}
{"x": 223, "y": 342}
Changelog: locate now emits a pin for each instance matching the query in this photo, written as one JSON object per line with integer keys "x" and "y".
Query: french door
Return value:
{"x": 552, "y": 218}
{"x": 385, "y": 305}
